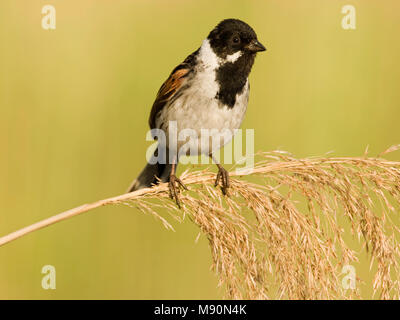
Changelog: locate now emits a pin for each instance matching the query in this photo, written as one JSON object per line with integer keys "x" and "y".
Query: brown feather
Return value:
{"x": 167, "y": 90}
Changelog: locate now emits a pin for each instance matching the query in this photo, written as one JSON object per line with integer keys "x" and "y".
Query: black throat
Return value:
{"x": 232, "y": 78}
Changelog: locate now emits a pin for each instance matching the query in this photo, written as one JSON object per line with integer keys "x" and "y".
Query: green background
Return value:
{"x": 74, "y": 104}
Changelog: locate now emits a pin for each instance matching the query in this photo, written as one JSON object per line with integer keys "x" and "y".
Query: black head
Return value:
{"x": 231, "y": 36}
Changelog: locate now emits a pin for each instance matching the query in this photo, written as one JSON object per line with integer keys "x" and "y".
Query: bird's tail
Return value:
{"x": 152, "y": 174}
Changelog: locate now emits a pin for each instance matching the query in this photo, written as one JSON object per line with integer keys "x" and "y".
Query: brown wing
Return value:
{"x": 171, "y": 86}
{"x": 166, "y": 92}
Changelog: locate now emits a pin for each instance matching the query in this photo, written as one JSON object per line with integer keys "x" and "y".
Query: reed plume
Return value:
{"x": 282, "y": 233}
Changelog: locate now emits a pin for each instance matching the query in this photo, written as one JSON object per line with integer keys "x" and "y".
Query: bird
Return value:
{"x": 208, "y": 90}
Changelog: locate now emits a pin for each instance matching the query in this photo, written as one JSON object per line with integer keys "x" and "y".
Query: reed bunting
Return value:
{"x": 208, "y": 90}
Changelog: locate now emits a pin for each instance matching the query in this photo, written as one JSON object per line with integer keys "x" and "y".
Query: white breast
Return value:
{"x": 197, "y": 108}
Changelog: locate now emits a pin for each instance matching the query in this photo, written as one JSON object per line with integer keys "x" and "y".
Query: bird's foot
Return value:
{"x": 174, "y": 185}
{"x": 222, "y": 175}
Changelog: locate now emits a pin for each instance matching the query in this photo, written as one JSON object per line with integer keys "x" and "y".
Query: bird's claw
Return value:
{"x": 174, "y": 185}
{"x": 223, "y": 175}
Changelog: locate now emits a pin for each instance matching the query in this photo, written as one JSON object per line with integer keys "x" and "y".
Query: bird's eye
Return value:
{"x": 236, "y": 40}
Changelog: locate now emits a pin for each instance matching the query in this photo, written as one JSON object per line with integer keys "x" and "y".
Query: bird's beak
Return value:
{"x": 255, "y": 46}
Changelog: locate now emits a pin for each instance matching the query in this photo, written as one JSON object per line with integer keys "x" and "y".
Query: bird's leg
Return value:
{"x": 222, "y": 175}
{"x": 174, "y": 184}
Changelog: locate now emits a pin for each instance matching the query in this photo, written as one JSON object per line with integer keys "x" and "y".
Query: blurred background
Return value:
{"x": 74, "y": 104}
